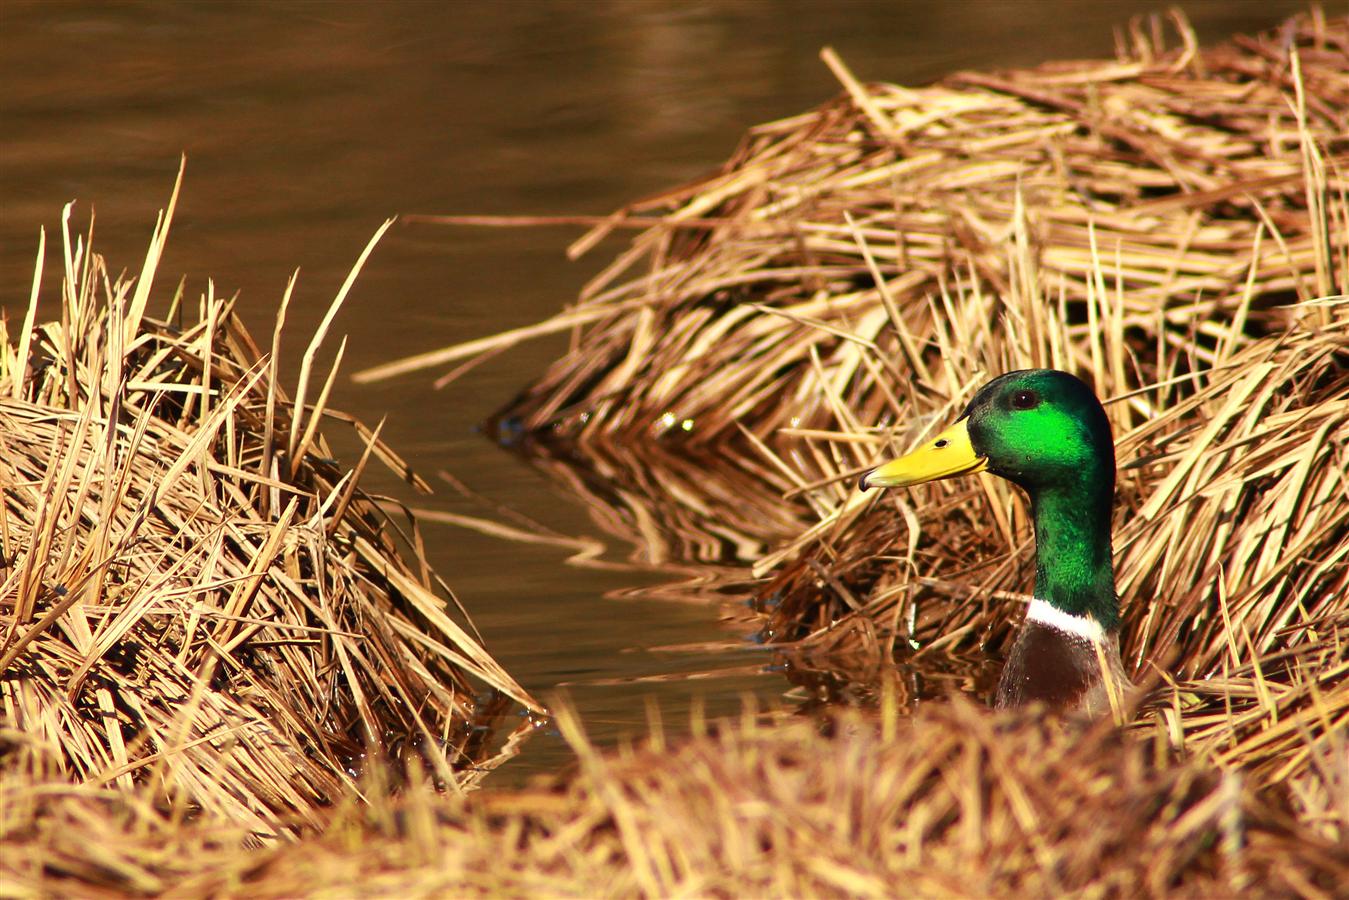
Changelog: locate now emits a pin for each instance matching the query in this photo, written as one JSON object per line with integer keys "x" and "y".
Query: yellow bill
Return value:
{"x": 949, "y": 453}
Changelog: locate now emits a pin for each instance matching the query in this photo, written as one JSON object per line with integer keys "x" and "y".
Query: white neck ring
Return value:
{"x": 1042, "y": 612}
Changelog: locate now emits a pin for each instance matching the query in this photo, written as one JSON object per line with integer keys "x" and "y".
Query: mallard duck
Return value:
{"x": 1045, "y": 431}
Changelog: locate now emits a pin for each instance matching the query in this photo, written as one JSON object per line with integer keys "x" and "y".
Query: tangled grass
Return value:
{"x": 196, "y": 599}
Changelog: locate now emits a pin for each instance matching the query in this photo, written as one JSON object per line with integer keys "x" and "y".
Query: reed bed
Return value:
{"x": 751, "y": 295}
{"x": 1173, "y": 225}
{"x": 199, "y": 606}
{"x": 954, "y": 801}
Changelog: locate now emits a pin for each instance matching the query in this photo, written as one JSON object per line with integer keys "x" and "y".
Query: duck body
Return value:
{"x": 1062, "y": 666}
{"x": 1045, "y": 431}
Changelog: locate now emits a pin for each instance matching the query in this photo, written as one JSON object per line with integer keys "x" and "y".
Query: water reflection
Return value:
{"x": 683, "y": 516}
{"x": 671, "y": 508}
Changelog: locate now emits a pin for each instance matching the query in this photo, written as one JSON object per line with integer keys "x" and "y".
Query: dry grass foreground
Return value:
{"x": 198, "y": 606}
{"x": 953, "y": 802}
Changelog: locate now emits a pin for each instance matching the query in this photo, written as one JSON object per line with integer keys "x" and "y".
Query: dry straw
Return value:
{"x": 196, "y": 599}
{"x": 953, "y": 802}
{"x": 1171, "y": 224}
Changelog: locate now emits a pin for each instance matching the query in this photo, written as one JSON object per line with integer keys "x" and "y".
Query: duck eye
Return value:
{"x": 1025, "y": 400}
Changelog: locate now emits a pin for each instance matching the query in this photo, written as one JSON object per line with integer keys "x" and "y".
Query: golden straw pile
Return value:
{"x": 200, "y": 607}
{"x": 955, "y": 801}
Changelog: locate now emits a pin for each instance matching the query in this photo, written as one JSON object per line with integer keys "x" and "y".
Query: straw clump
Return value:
{"x": 200, "y": 607}
{"x": 752, "y": 296}
{"x": 953, "y": 802}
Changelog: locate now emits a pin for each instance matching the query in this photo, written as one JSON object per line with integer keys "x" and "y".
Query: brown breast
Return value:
{"x": 1059, "y": 669}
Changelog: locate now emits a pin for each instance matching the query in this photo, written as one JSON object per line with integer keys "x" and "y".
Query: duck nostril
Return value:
{"x": 941, "y": 443}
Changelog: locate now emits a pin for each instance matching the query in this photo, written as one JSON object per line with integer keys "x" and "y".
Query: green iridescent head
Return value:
{"x": 1044, "y": 430}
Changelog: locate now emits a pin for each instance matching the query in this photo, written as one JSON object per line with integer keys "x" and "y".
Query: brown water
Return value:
{"x": 307, "y": 124}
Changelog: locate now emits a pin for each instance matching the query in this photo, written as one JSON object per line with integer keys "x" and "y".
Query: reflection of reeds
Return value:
{"x": 196, "y": 599}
